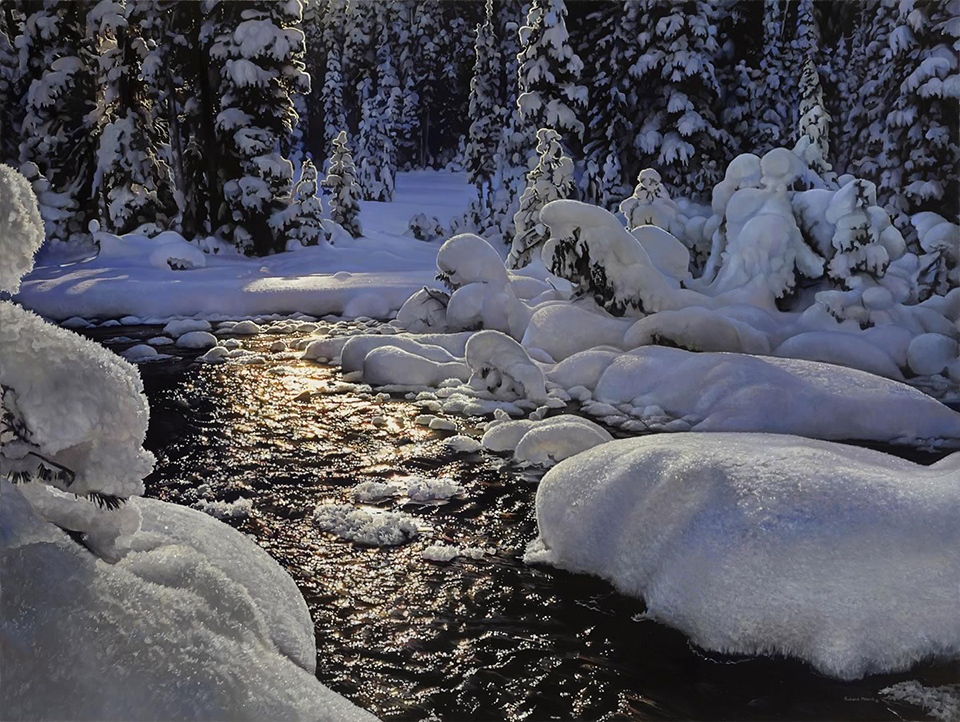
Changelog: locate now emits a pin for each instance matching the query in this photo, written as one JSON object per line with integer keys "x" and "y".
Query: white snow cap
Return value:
{"x": 763, "y": 544}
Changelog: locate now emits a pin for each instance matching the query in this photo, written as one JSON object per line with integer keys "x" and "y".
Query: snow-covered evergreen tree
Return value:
{"x": 924, "y": 123}
{"x": 856, "y": 241}
{"x": 332, "y": 108}
{"x": 57, "y": 129}
{"x": 11, "y": 85}
{"x": 813, "y": 120}
{"x": 550, "y": 94}
{"x": 379, "y": 117}
{"x": 131, "y": 181}
{"x": 610, "y": 123}
{"x": 258, "y": 48}
{"x": 303, "y": 220}
{"x": 771, "y": 107}
{"x": 650, "y": 204}
{"x": 550, "y": 180}
{"x": 344, "y": 191}
{"x": 679, "y": 133}
{"x": 484, "y": 111}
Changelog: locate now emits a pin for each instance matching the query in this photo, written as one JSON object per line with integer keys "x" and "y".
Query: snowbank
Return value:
{"x": 195, "y": 622}
{"x": 737, "y": 392}
{"x": 762, "y": 544}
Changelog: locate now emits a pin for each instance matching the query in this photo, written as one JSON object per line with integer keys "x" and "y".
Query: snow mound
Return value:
{"x": 370, "y": 527}
{"x": 180, "y": 326}
{"x": 763, "y": 544}
{"x": 501, "y": 366}
{"x": 196, "y": 621}
{"x": 197, "y": 339}
{"x": 842, "y": 349}
{"x": 545, "y": 442}
{"x": 563, "y": 330}
{"x": 21, "y": 228}
{"x": 736, "y": 392}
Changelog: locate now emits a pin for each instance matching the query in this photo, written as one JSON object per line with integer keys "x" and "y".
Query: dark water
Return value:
{"x": 410, "y": 639}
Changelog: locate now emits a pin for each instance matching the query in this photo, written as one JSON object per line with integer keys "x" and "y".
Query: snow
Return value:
{"x": 448, "y": 552}
{"x": 941, "y": 703}
{"x": 195, "y": 620}
{"x": 931, "y": 353}
{"x": 383, "y": 262}
{"x": 545, "y": 442}
{"x": 789, "y": 396}
{"x": 196, "y": 339}
{"x": 239, "y": 509}
{"x": 181, "y": 326}
{"x": 843, "y": 349}
{"x": 367, "y": 526}
{"x": 21, "y": 228}
{"x": 764, "y": 544}
{"x": 501, "y": 366}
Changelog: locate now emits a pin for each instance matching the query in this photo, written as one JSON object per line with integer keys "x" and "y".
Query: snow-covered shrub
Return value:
{"x": 940, "y": 262}
{"x": 425, "y": 228}
{"x": 551, "y": 179}
{"x": 21, "y": 228}
{"x": 764, "y": 544}
{"x": 861, "y": 229}
{"x": 650, "y": 203}
{"x": 344, "y": 191}
{"x": 482, "y": 295}
{"x": 424, "y": 311}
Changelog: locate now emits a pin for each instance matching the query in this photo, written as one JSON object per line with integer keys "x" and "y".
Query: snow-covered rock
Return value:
{"x": 178, "y": 327}
{"x": 931, "y": 353}
{"x": 788, "y": 396}
{"x": 843, "y": 349}
{"x": 501, "y": 366}
{"x": 562, "y": 329}
{"x": 545, "y": 442}
{"x": 762, "y": 544}
{"x": 196, "y": 339}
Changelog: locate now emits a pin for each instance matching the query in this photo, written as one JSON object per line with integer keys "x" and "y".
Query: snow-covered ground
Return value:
{"x": 369, "y": 276}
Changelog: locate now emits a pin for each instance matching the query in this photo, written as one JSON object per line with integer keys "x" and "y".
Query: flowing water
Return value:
{"x": 411, "y": 639}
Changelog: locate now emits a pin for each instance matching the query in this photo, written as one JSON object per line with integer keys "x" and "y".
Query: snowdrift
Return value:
{"x": 763, "y": 544}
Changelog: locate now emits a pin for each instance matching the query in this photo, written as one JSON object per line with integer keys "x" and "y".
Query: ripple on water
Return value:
{"x": 410, "y": 638}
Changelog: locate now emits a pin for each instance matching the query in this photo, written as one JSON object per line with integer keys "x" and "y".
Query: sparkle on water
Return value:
{"x": 408, "y": 638}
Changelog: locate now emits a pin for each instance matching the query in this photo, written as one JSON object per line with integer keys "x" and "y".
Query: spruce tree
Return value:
{"x": 550, "y": 180}
{"x": 303, "y": 222}
{"x": 258, "y": 48}
{"x": 484, "y": 111}
{"x": 57, "y": 129}
{"x": 676, "y": 81}
{"x": 344, "y": 192}
{"x": 133, "y": 184}
{"x": 11, "y": 86}
{"x": 379, "y": 117}
{"x": 332, "y": 108}
{"x": 550, "y": 94}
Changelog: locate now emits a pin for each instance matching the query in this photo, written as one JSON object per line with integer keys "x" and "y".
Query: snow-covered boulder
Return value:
{"x": 697, "y": 329}
{"x": 544, "y": 442}
{"x": 778, "y": 395}
{"x": 197, "y": 340}
{"x": 357, "y": 348}
{"x": 931, "y": 353}
{"x": 180, "y": 326}
{"x": 389, "y": 365}
{"x": 844, "y": 349}
{"x": 761, "y": 544}
{"x": 501, "y": 366}
{"x": 563, "y": 329}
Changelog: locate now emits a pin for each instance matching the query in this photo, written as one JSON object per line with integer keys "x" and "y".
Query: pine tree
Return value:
{"x": 57, "y": 132}
{"x": 813, "y": 123}
{"x": 344, "y": 191}
{"x": 550, "y": 180}
{"x": 258, "y": 48}
{"x": 771, "y": 107}
{"x": 332, "y": 108}
{"x": 132, "y": 182}
{"x": 359, "y": 66}
{"x": 549, "y": 73}
{"x": 677, "y": 82}
{"x": 484, "y": 112}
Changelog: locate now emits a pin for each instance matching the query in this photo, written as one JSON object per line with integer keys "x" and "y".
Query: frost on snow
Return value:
{"x": 761, "y": 544}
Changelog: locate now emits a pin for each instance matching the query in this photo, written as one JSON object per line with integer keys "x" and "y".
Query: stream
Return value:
{"x": 472, "y": 639}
